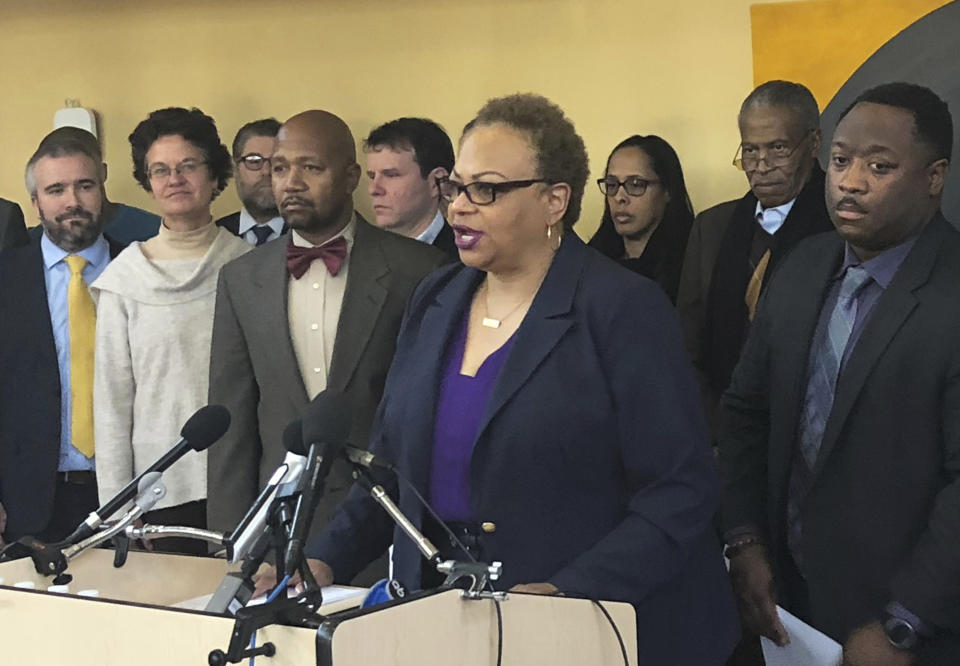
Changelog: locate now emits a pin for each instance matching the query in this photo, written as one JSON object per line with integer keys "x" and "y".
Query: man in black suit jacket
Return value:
{"x": 405, "y": 159}
{"x": 840, "y": 444}
{"x": 279, "y": 337}
{"x": 13, "y": 231}
{"x": 47, "y": 484}
{"x": 258, "y": 220}
{"x": 734, "y": 246}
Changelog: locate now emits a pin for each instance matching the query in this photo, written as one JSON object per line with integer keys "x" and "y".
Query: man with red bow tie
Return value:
{"x": 293, "y": 319}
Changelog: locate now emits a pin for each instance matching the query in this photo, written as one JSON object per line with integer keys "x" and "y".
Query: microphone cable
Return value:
{"x": 459, "y": 544}
{"x": 610, "y": 620}
{"x": 282, "y": 587}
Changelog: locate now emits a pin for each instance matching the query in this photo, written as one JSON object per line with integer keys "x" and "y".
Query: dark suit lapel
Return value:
{"x": 269, "y": 280}
{"x": 436, "y": 331}
{"x": 542, "y": 328}
{"x": 231, "y": 223}
{"x": 889, "y": 314}
{"x": 365, "y": 294}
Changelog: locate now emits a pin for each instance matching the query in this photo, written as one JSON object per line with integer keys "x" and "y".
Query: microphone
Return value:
{"x": 384, "y": 590}
{"x": 325, "y": 426}
{"x": 201, "y": 430}
{"x": 250, "y": 529}
{"x": 363, "y": 457}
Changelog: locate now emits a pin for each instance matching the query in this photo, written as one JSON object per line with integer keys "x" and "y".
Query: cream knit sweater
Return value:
{"x": 154, "y": 324}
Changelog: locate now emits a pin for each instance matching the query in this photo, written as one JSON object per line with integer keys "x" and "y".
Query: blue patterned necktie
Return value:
{"x": 825, "y": 364}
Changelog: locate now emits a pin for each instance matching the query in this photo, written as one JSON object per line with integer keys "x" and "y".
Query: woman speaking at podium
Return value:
{"x": 541, "y": 399}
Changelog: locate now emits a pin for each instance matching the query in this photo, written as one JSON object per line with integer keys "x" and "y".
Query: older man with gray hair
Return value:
{"x": 735, "y": 245}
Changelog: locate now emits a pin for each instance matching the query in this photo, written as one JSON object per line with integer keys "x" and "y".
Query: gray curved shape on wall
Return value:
{"x": 924, "y": 53}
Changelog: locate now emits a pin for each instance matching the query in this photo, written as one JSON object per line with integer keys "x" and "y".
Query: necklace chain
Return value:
{"x": 489, "y": 321}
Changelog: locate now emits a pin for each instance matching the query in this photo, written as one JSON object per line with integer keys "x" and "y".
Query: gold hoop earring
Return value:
{"x": 550, "y": 235}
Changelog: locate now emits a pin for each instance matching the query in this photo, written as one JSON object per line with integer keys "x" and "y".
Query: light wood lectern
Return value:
{"x": 133, "y": 621}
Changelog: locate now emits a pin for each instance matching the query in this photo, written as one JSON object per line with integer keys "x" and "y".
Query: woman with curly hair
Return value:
{"x": 155, "y": 318}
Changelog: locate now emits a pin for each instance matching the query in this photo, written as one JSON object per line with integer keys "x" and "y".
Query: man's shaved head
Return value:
{"x": 314, "y": 174}
{"x": 322, "y": 127}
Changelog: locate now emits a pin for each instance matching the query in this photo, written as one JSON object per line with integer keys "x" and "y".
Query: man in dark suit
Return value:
{"x": 405, "y": 159}
{"x": 735, "y": 246}
{"x": 287, "y": 328}
{"x": 13, "y": 230}
{"x": 47, "y": 482}
{"x": 258, "y": 220}
{"x": 840, "y": 445}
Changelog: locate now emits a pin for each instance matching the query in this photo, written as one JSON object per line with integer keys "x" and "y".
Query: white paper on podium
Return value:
{"x": 331, "y": 594}
{"x": 808, "y": 647}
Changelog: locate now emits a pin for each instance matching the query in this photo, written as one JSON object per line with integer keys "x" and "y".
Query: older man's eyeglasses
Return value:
{"x": 635, "y": 186}
{"x": 254, "y": 161}
{"x": 776, "y": 154}
{"x": 481, "y": 193}
{"x": 163, "y": 172}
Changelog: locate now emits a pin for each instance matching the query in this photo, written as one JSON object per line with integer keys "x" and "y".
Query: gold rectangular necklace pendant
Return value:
{"x": 490, "y": 322}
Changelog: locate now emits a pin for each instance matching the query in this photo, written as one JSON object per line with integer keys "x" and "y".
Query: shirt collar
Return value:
{"x": 771, "y": 219}
{"x": 882, "y": 267}
{"x": 430, "y": 233}
{"x": 96, "y": 255}
{"x": 247, "y": 223}
{"x": 347, "y": 232}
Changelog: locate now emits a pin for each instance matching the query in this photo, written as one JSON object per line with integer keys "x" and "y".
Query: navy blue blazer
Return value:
{"x": 592, "y": 458}
{"x": 29, "y": 392}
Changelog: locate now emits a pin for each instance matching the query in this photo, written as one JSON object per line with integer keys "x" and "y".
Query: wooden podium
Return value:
{"x": 134, "y": 621}
{"x": 441, "y": 628}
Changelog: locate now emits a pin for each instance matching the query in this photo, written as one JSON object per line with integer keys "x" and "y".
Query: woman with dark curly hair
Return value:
{"x": 647, "y": 214}
{"x": 155, "y": 317}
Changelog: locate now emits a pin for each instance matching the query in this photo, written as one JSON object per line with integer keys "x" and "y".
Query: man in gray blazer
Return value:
{"x": 13, "y": 230}
{"x": 287, "y": 327}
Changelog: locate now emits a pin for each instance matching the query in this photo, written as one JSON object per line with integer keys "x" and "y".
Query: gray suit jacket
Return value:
{"x": 13, "y": 230}
{"x": 254, "y": 371}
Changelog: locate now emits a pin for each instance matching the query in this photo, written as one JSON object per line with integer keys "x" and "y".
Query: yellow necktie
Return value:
{"x": 83, "y": 321}
{"x": 756, "y": 281}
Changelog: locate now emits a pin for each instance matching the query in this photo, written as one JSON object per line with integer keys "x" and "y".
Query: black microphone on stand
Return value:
{"x": 206, "y": 426}
{"x": 326, "y": 425}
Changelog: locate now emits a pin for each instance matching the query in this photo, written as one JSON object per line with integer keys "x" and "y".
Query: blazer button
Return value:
{"x": 489, "y": 528}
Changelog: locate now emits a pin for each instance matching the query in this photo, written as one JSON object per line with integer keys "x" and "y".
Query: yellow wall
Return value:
{"x": 823, "y": 42}
{"x": 679, "y": 69}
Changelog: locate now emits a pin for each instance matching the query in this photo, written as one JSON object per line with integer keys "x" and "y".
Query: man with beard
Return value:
{"x": 319, "y": 311}
{"x": 47, "y": 481}
{"x": 122, "y": 223}
{"x": 258, "y": 220}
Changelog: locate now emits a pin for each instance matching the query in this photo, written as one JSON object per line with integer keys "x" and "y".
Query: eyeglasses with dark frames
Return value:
{"x": 635, "y": 186}
{"x": 254, "y": 161}
{"x": 479, "y": 192}
{"x": 777, "y": 154}
{"x": 163, "y": 172}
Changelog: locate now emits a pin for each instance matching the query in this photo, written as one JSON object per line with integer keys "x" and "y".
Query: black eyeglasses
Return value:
{"x": 635, "y": 186}
{"x": 254, "y": 161}
{"x": 481, "y": 193}
{"x": 778, "y": 154}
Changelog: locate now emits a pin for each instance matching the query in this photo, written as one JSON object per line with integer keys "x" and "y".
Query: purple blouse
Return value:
{"x": 461, "y": 403}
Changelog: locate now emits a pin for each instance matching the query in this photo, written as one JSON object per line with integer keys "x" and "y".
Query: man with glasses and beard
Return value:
{"x": 734, "y": 246}
{"x": 47, "y": 481}
{"x": 258, "y": 220}
{"x": 319, "y": 310}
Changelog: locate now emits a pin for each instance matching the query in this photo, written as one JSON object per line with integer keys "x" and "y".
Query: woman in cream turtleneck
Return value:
{"x": 155, "y": 319}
